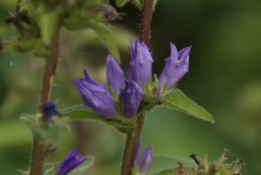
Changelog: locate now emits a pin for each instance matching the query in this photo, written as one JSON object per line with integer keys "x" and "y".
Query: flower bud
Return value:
{"x": 115, "y": 75}
{"x": 96, "y": 96}
{"x": 131, "y": 97}
{"x": 143, "y": 161}
{"x": 71, "y": 161}
{"x": 140, "y": 64}
{"x": 175, "y": 68}
{"x": 138, "y": 152}
{"x": 49, "y": 110}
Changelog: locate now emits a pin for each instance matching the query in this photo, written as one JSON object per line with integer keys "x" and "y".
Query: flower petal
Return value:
{"x": 141, "y": 63}
{"x": 96, "y": 96}
{"x": 131, "y": 97}
{"x": 175, "y": 68}
{"x": 115, "y": 74}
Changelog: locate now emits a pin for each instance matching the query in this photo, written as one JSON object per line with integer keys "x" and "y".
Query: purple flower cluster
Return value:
{"x": 143, "y": 161}
{"x": 71, "y": 161}
{"x": 130, "y": 91}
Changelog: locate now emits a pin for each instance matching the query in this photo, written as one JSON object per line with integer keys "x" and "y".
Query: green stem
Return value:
{"x": 49, "y": 73}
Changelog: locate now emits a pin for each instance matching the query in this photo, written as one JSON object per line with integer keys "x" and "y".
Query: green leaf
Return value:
{"x": 161, "y": 164}
{"x": 80, "y": 112}
{"x": 121, "y": 3}
{"x": 178, "y": 101}
{"x": 85, "y": 112}
{"x": 84, "y": 166}
{"x": 103, "y": 30}
{"x": 47, "y": 133}
{"x": 50, "y": 167}
{"x": 105, "y": 33}
{"x": 35, "y": 46}
{"x": 47, "y": 22}
{"x": 137, "y": 3}
{"x": 23, "y": 172}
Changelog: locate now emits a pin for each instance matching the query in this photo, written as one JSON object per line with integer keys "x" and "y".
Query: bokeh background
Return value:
{"x": 224, "y": 77}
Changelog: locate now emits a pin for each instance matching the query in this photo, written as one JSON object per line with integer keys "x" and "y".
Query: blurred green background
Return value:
{"x": 224, "y": 77}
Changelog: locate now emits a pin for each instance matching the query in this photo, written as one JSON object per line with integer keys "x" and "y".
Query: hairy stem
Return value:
{"x": 130, "y": 146}
{"x": 49, "y": 73}
{"x": 146, "y": 21}
{"x": 134, "y": 136}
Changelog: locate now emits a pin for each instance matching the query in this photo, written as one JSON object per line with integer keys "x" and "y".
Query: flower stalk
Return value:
{"x": 131, "y": 145}
{"x": 49, "y": 73}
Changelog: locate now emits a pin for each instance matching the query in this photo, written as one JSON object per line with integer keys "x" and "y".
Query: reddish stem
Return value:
{"x": 146, "y": 21}
{"x": 50, "y": 67}
{"x": 130, "y": 147}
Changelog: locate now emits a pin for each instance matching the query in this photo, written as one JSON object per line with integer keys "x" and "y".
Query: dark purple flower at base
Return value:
{"x": 96, "y": 96}
{"x": 71, "y": 161}
{"x": 131, "y": 97}
{"x": 143, "y": 161}
{"x": 49, "y": 110}
{"x": 115, "y": 75}
{"x": 141, "y": 63}
{"x": 175, "y": 68}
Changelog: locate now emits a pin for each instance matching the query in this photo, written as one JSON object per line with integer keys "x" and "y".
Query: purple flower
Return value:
{"x": 138, "y": 152}
{"x": 143, "y": 161}
{"x": 175, "y": 68}
{"x": 96, "y": 96}
{"x": 49, "y": 110}
{"x": 141, "y": 63}
{"x": 131, "y": 97}
{"x": 71, "y": 161}
{"x": 115, "y": 75}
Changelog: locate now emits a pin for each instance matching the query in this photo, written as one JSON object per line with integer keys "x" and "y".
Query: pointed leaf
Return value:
{"x": 44, "y": 134}
{"x": 84, "y": 166}
{"x": 47, "y": 22}
{"x": 121, "y": 3}
{"x": 102, "y": 30}
{"x": 85, "y": 112}
{"x": 137, "y": 3}
{"x": 105, "y": 33}
{"x": 23, "y": 172}
{"x": 178, "y": 101}
{"x": 80, "y": 112}
{"x": 162, "y": 163}
{"x": 50, "y": 167}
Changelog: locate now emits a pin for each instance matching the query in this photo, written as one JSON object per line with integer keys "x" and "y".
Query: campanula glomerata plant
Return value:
{"x": 130, "y": 91}
{"x": 41, "y": 26}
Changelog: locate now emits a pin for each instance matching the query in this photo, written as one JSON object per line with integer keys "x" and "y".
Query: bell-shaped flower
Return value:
{"x": 175, "y": 68}
{"x": 131, "y": 97}
{"x": 96, "y": 96}
{"x": 115, "y": 75}
{"x": 71, "y": 161}
{"x": 143, "y": 161}
{"x": 141, "y": 63}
